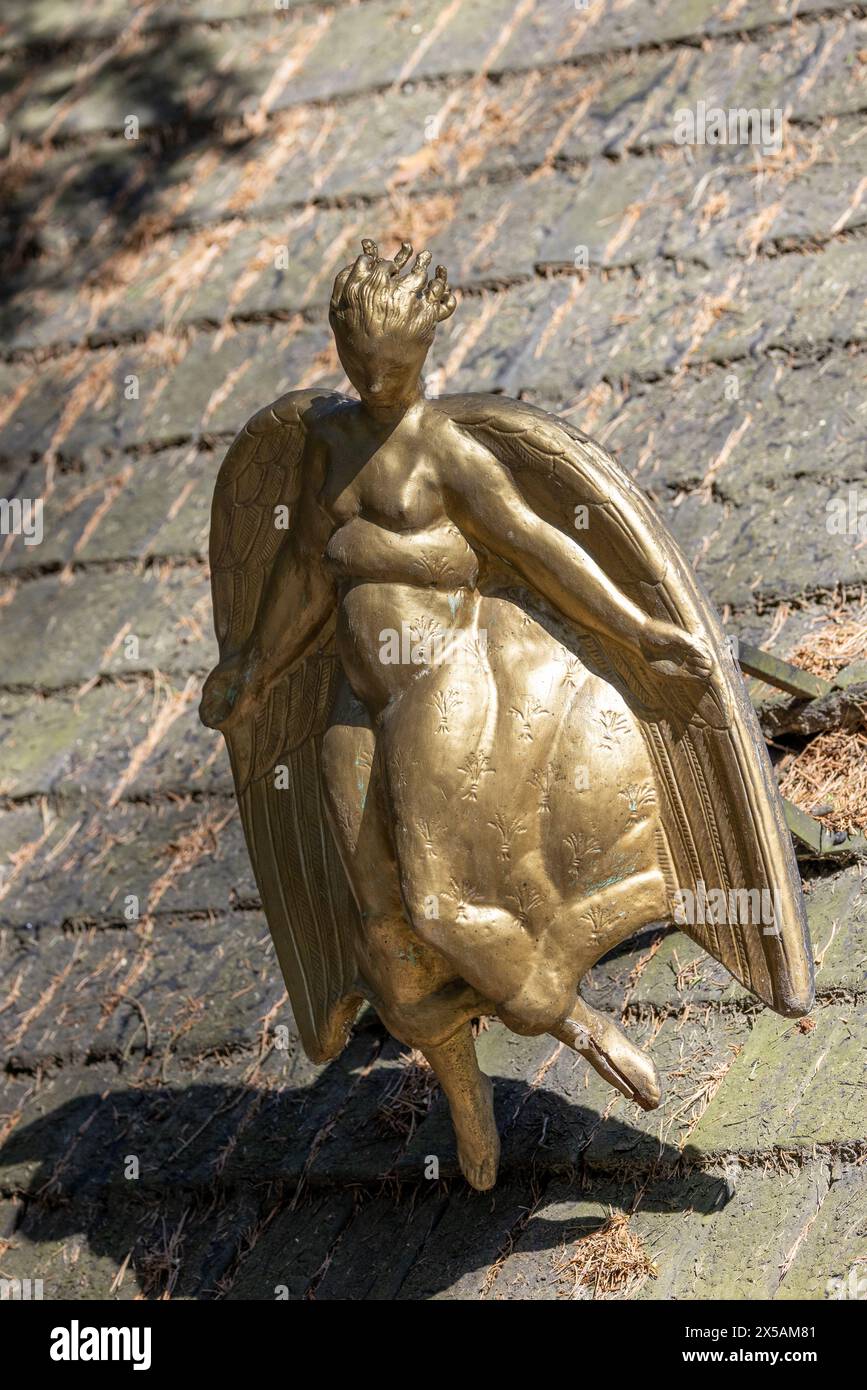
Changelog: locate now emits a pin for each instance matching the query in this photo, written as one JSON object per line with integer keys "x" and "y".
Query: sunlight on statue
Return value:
{"x": 557, "y": 748}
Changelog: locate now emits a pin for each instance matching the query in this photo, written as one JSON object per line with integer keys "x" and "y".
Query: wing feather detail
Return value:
{"x": 305, "y": 894}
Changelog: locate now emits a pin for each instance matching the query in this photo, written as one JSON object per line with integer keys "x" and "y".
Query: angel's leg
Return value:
{"x": 470, "y": 1095}
{"x": 614, "y": 916}
{"x": 609, "y": 1051}
{"x": 416, "y": 993}
{"x": 531, "y": 976}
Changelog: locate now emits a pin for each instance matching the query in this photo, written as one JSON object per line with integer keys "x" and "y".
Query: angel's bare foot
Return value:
{"x": 470, "y": 1095}
{"x": 666, "y": 643}
{"x": 478, "y": 1140}
{"x": 610, "y": 1052}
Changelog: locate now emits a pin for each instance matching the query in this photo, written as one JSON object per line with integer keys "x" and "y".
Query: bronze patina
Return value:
{"x": 484, "y": 725}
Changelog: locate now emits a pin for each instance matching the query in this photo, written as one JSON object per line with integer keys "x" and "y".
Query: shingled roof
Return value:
{"x": 181, "y": 181}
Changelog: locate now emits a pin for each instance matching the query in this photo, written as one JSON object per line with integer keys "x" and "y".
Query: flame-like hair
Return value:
{"x": 371, "y": 297}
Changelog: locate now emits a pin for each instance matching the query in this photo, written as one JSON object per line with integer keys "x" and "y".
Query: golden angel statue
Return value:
{"x": 483, "y": 723}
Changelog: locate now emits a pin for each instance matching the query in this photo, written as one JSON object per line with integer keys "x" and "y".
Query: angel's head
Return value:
{"x": 384, "y": 323}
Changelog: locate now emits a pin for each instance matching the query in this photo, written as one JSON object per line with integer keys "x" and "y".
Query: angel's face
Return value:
{"x": 385, "y": 368}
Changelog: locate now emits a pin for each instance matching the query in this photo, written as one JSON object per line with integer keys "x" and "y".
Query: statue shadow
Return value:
{"x": 213, "y": 1163}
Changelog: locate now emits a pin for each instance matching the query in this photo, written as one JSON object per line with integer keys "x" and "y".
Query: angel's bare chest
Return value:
{"x": 390, "y": 522}
{"x": 396, "y": 487}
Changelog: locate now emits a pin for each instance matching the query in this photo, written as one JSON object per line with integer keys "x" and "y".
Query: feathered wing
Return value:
{"x": 722, "y": 813}
{"x": 304, "y": 889}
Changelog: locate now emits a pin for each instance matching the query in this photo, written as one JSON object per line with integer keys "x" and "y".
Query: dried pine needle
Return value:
{"x": 831, "y": 771}
{"x": 407, "y": 1102}
{"x": 836, "y": 641}
{"x": 611, "y": 1260}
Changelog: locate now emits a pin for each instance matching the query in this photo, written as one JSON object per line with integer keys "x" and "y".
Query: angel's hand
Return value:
{"x": 231, "y": 692}
{"x": 663, "y": 643}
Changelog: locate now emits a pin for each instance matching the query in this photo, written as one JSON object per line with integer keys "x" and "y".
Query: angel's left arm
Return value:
{"x": 489, "y": 509}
